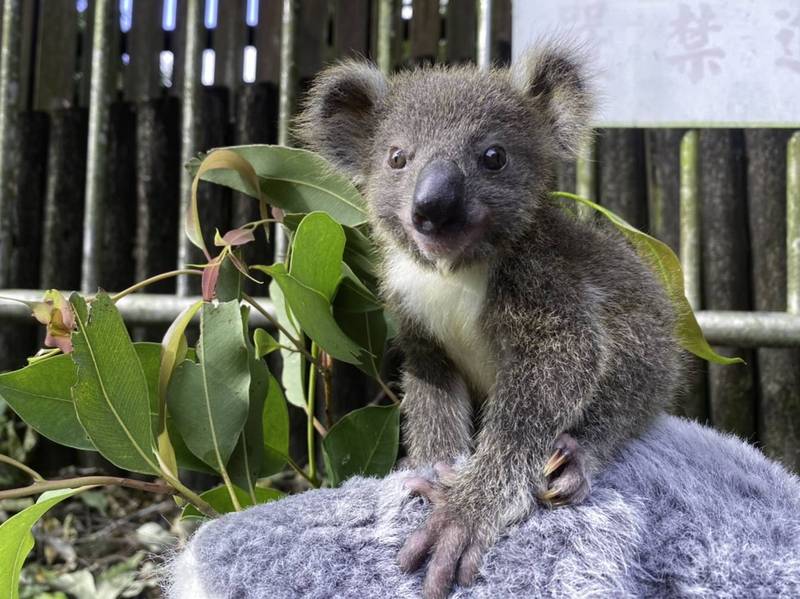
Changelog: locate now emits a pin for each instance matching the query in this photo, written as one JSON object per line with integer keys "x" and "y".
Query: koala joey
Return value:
{"x": 548, "y": 328}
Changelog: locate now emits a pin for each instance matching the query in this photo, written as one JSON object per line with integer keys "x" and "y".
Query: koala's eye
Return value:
{"x": 397, "y": 158}
{"x": 494, "y": 158}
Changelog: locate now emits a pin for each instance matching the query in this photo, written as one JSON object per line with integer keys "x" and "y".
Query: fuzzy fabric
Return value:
{"x": 683, "y": 512}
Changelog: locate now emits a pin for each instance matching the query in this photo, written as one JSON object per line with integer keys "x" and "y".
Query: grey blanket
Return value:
{"x": 683, "y": 512}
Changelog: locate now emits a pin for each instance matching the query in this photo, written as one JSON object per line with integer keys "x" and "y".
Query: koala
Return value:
{"x": 535, "y": 343}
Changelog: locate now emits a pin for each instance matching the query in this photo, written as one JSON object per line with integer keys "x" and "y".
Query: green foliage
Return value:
{"x": 16, "y": 540}
{"x": 363, "y": 442}
{"x": 158, "y": 409}
{"x": 667, "y": 267}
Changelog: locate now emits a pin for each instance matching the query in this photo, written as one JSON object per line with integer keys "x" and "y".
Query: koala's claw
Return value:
{"x": 456, "y": 554}
{"x": 567, "y": 482}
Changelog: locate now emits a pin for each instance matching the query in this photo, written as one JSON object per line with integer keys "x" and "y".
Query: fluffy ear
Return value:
{"x": 340, "y": 114}
{"x": 554, "y": 77}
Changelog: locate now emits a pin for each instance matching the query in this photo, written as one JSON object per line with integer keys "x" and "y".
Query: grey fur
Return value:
{"x": 578, "y": 328}
{"x": 684, "y": 511}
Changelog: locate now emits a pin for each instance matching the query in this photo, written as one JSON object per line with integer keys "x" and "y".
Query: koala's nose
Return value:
{"x": 438, "y": 197}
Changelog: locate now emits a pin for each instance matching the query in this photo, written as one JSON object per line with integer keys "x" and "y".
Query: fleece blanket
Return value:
{"x": 684, "y": 511}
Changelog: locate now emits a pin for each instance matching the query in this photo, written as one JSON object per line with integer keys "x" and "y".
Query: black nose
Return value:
{"x": 438, "y": 197}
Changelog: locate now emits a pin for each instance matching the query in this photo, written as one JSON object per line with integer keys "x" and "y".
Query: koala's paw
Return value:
{"x": 567, "y": 482}
{"x": 455, "y": 545}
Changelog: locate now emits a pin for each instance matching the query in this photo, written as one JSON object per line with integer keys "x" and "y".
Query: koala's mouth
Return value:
{"x": 451, "y": 243}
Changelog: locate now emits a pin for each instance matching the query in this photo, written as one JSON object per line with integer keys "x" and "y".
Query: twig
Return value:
{"x": 84, "y": 481}
{"x": 26, "y": 469}
{"x": 154, "y": 279}
{"x": 312, "y": 391}
{"x": 296, "y": 342}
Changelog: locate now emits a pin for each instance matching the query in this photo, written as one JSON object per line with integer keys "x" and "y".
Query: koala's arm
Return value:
{"x": 549, "y": 371}
{"x": 437, "y": 406}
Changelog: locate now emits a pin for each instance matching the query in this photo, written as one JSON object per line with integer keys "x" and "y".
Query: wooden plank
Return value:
{"x": 778, "y": 369}
{"x": 424, "y": 31}
{"x": 267, "y": 40}
{"x": 177, "y": 40}
{"x": 623, "y": 179}
{"x": 662, "y": 156}
{"x": 118, "y": 213}
{"x": 63, "y": 221}
{"x": 25, "y": 213}
{"x": 501, "y": 32}
{"x": 230, "y": 37}
{"x": 461, "y": 32}
{"x": 27, "y": 58}
{"x": 310, "y": 39}
{"x": 726, "y": 271}
{"x": 157, "y": 189}
{"x": 351, "y": 28}
{"x": 142, "y": 76}
{"x": 56, "y": 57}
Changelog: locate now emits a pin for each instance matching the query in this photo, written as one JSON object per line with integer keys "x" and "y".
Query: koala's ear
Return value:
{"x": 340, "y": 114}
{"x": 554, "y": 78}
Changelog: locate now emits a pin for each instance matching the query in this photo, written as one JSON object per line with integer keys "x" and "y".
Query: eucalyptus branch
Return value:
{"x": 327, "y": 387}
{"x": 154, "y": 279}
{"x": 312, "y": 390}
{"x": 314, "y": 482}
{"x": 19, "y": 465}
{"x": 82, "y": 481}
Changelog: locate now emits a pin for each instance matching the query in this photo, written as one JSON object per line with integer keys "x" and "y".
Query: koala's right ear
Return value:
{"x": 340, "y": 114}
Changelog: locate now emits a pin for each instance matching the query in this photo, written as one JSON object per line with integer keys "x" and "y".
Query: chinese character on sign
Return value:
{"x": 692, "y": 31}
{"x": 585, "y": 19}
{"x": 789, "y": 39}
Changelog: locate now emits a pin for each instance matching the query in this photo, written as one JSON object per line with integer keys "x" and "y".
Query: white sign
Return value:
{"x": 679, "y": 62}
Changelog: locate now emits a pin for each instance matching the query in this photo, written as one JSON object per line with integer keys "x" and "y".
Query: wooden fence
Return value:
{"x": 72, "y": 90}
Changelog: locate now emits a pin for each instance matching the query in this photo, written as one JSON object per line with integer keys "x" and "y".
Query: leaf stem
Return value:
{"x": 314, "y": 482}
{"x": 312, "y": 391}
{"x": 154, "y": 279}
{"x": 26, "y": 469}
{"x": 389, "y": 393}
{"x": 296, "y": 342}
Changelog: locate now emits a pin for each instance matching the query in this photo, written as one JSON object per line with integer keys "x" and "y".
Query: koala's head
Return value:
{"x": 454, "y": 161}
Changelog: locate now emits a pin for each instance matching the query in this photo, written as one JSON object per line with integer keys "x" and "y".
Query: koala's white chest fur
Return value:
{"x": 450, "y": 306}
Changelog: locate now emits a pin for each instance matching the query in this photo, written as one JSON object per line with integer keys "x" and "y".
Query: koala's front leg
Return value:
{"x": 542, "y": 388}
{"x": 437, "y": 408}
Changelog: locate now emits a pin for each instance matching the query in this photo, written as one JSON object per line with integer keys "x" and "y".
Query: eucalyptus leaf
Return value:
{"x": 219, "y": 499}
{"x": 16, "y": 540}
{"x": 667, "y": 267}
{"x": 353, "y": 295}
{"x": 293, "y": 373}
{"x": 364, "y": 443}
{"x": 313, "y": 312}
{"x": 368, "y": 329}
{"x": 111, "y": 392}
{"x": 40, "y": 395}
{"x": 292, "y": 179}
{"x": 208, "y": 400}
{"x": 317, "y": 249}
{"x": 265, "y": 343}
{"x": 275, "y": 429}
{"x": 245, "y": 463}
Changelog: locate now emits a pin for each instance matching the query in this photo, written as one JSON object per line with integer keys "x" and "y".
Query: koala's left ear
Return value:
{"x": 340, "y": 114}
{"x": 553, "y": 76}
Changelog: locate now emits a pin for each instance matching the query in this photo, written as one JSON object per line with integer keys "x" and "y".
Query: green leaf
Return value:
{"x": 313, "y": 312}
{"x": 111, "y": 393}
{"x": 360, "y": 253}
{"x": 229, "y": 283}
{"x": 220, "y": 500}
{"x": 173, "y": 350}
{"x": 293, "y": 373}
{"x": 265, "y": 343}
{"x": 245, "y": 463}
{"x": 16, "y": 540}
{"x": 353, "y": 295}
{"x": 209, "y": 400}
{"x": 275, "y": 427}
{"x": 363, "y": 443}
{"x": 294, "y": 180}
{"x": 368, "y": 329}
{"x": 667, "y": 267}
{"x": 317, "y": 248}
{"x": 40, "y": 395}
